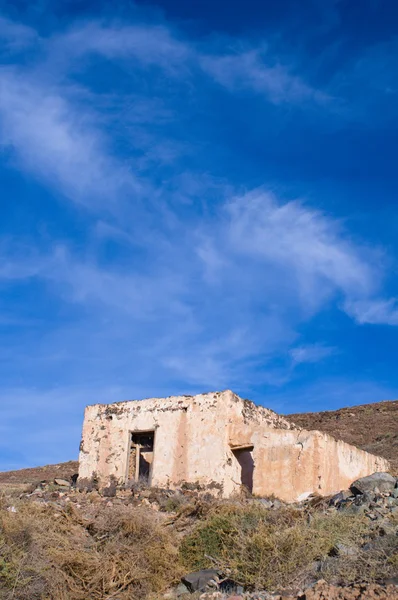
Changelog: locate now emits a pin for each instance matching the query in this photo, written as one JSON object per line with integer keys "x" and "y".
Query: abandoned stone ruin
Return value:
{"x": 217, "y": 441}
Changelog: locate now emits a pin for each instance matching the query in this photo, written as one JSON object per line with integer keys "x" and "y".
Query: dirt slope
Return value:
{"x": 372, "y": 427}
{"x": 37, "y": 474}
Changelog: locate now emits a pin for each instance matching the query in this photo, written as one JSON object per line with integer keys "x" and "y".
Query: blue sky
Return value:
{"x": 195, "y": 196}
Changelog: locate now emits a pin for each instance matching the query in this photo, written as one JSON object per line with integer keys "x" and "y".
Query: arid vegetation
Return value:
{"x": 270, "y": 550}
{"x": 78, "y": 545}
{"x": 46, "y": 553}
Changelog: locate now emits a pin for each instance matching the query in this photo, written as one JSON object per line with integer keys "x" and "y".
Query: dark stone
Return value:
{"x": 198, "y": 581}
{"x": 354, "y": 509}
{"x": 342, "y": 496}
{"x": 382, "y": 482}
{"x": 343, "y": 550}
{"x": 385, "y": 544}
{"x": 110, "y": 491}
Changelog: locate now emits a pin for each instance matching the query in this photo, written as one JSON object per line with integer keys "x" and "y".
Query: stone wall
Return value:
{"x": 292, "y": 464}
{"x": 200, "y": 438}
{"x": 190, "y": 439}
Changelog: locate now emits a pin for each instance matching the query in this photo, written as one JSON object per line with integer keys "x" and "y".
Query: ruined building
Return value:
{"x": 219, "y": 441}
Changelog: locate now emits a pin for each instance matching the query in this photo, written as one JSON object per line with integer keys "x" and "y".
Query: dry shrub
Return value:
{"x": 125, "y": 553}
{"x": 267, "y": 549}
{"x": 120, "y": 552}
{"x": 376, "y": 561}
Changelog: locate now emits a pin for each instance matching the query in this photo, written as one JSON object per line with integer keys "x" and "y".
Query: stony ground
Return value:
{"x": 58, "y": 542}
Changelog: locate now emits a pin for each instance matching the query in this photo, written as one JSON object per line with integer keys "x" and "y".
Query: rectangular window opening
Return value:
{"x": 140, "y": 455}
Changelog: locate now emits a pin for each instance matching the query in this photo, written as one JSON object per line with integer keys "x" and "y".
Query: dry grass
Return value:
{"x": 126, "y": 552}
{"x": 265, "y": 549}
{"x": 48, "y": 555}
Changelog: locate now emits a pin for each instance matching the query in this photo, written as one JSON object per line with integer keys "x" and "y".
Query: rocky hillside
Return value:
{"x": 372, "y": 427}
{"x": 62, "y": 542}
{"x": 36, "y": 474}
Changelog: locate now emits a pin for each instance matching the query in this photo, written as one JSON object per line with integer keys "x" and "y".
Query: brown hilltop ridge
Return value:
{"x": 371, "y": 427}
{"x": 35, "y": 474}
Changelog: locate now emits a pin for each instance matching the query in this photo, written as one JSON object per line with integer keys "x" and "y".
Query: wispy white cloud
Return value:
{"x": 311, "y": 353}
{"x": 164, "y": 313}
{"x": 249, "y": 70}
{"x": 55, "y": 141}
{"x": 15, "y": 36}
{"x": 60, "y": 133}
{"x": 148, "y": 44}
{"x": 373, "y": 311}
{"x": 301, "y": 239}
{"x": 299, "y": 255}
{"x": 252, "y": 69}
{"x": 56, "y": 438}
{"x": 154, "y": 293}
{"x": 223, "y": 300}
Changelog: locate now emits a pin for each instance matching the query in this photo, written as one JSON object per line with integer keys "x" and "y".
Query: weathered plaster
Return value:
{"x": 194, "y": 441}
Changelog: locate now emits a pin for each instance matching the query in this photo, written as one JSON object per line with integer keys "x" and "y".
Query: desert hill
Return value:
{"x": 22, "y": 476}
{"x": 372, "y": 427}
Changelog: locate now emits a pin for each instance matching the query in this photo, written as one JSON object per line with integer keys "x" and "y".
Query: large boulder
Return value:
{"x": 199, "y": 580}
{"x": 382, "y": 482}
{"x": 61, "y": 482}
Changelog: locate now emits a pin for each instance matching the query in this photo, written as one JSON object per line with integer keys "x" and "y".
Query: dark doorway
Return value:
{"x": 245, "y": 459}
{"x": 141, "y": 455}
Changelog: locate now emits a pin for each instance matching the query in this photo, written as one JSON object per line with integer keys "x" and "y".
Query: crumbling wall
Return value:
{"x": 190, "y": 439}
{"x": 198, "y": 440}
{"x": 290, "y": 464}
{"x": 243, "y": 419}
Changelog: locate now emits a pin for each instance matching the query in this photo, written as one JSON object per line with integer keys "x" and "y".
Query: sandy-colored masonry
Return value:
{"x": 219, "y": 441}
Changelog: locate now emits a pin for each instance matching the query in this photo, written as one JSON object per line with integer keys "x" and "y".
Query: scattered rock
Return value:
{"x": 110, "y": 491}
{"x": 180, "y": 591}
{"x": 303, "y": 496}
{"x": 62, "y": 482}
{"x": 337, "y": 499}
{"x": 199, "y": 580}
{"x": 265, "y": 502}
{"x": 371, "y": 591}
{"x": 343, "y": 550}
{"x": 355, "y": 509}
{"x": 384, "y": 482}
